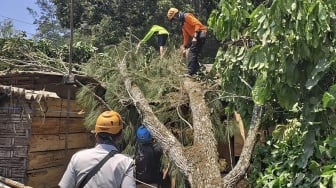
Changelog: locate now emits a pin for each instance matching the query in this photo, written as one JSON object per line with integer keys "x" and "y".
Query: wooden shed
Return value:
{"x": 39, "y": 129}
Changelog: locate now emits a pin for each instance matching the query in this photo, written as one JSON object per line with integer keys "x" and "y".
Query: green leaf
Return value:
{"x": 315, "y": 167}
{"x": 261, "y": 92}
{"x": 292, "y": 73}
{"x": 328, "y": 168}
{"x": 328, "y": 99}
{"x": 308, "y": 149}
{"x": 334, "y": 180}
{"x": 332, "y": 90}
{"x": 287, "y": 96}
{"x": 332, "y": 120}
{"x": 317, "y": 73}
{"x": 331, "y": 141}
{"x": 298, "y": 180}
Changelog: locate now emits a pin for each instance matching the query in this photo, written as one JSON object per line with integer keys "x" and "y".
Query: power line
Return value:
{"x": 17, "y": 20}
{"x": 21, "y": 21}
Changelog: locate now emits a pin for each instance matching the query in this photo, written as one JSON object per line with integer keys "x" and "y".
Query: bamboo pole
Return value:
{"x": 12, "y": 183}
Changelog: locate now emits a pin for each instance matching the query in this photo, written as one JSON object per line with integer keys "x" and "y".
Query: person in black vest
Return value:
{"x": 147, "y": 159}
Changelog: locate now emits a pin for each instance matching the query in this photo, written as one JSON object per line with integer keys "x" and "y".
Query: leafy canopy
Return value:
{"x": 285, "y": 61}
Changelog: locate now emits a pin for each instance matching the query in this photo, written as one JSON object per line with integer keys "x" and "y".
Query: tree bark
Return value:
{"x": 199, "y": 163}
{"x": 238, "y": 172}
{"x": 205, "y": 171}
{"x": 171, "y": 146}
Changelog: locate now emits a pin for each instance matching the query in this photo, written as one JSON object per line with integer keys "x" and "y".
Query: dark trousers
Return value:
{"x": 194, "y": 55}
{"x": 162, "y": 39}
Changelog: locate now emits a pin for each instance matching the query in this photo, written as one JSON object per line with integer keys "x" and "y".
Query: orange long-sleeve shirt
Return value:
{"x": 190, "y": 27}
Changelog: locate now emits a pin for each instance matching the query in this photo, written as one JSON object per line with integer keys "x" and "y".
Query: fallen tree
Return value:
{"x": 199, "y": 163}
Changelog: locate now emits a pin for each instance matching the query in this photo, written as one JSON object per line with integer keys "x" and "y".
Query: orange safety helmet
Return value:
{"x": 109, "y": 122}
{"x": 171, "y": 13}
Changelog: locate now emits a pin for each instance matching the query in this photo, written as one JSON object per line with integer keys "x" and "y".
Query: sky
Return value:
{"x": 16, "y": 10}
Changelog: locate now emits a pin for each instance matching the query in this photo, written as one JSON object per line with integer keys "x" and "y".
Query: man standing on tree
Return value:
{"x": 116, "y": 170}
{"x": 194, "y": 32}
{"x": 162, "y": 35}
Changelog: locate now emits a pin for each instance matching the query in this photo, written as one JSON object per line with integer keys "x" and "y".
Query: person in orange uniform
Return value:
{"x": 194, "y": 37}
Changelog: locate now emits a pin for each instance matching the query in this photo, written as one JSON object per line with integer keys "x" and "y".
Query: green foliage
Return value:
{"x": 329, "y": 98}
{"x": 107, "y": 22}
{"x": 228, "y": 20}
{"x": 289, "y": 164}
{"x": 91, "y": 106}
{"x": 159, "y": 80}
{"x": 7, "y": 30}
{"x": 282, "y": 56}
{"x": 278, "y": 47}
{"x": 100, "y": 24}
{"x": 48, "y": 26}
{"x": 283, "y": 167}
{"x": 82, "y": 52}
{"x": 26, "y": 54}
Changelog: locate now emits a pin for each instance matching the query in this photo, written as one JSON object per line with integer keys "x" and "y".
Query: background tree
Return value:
{"x": 48, "y": 26}
{"x": 107, "y": 22}
{"x": 7, "y": 29}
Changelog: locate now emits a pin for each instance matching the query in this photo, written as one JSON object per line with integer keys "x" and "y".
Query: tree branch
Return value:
{"x": 237, "y": 173}
{"x": 165, "y": 138}
{"x": 206, "y": 171}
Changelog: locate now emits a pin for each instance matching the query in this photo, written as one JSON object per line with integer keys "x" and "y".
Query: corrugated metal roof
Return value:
{"x": 49, "y": 81}
{"x": 27, "y": 94}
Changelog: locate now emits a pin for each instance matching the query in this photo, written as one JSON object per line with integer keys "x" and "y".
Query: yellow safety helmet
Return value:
{"x": 171, "y": 13}
{"x": 109, "y": 122}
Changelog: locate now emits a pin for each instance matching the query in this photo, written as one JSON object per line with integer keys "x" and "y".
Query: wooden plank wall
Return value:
{"x": 48, "y": 153}
{"x": 15, "y": 128}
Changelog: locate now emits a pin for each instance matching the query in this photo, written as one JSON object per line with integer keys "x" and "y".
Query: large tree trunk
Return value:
{"x": 204, "y": 154}
{"x": 165, "y": 138}
{"x": 199, "y": 163}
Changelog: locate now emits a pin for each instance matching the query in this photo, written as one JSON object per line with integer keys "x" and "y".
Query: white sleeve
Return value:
{"x": 129, "y": 180}
{"x": 69, "y": 178}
